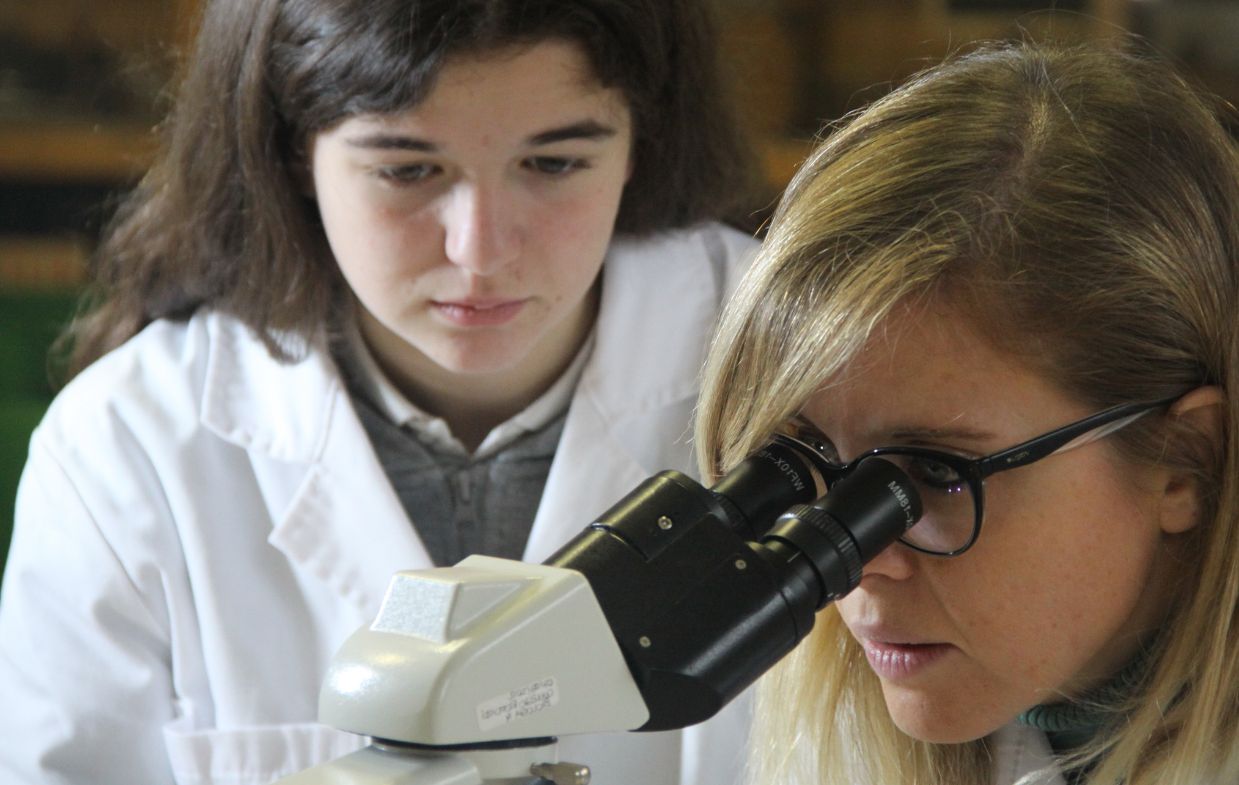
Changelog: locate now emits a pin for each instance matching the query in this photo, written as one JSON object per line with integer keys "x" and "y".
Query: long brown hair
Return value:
{"x": 1082, "y": 206}
{"x": 221, "y": 218}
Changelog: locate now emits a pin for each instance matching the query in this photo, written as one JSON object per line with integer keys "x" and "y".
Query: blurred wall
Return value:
{"x": 800, "y": 63}
{"x": 81, "y": 84}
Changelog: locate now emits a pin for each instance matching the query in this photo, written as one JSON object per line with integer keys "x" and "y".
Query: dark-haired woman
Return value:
{"x": 409, "y": 281}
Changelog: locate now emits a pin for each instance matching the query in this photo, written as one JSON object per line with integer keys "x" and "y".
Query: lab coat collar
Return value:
{"x": 334, "y": 514}
{"x": 1022, "y": 755}
{"x": 660, "y": 299}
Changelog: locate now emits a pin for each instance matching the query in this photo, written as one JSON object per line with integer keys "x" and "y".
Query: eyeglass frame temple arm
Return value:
{"x": 1048, "y": 443}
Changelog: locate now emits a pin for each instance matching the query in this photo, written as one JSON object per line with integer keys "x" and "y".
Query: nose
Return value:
{"x": 896, "y": 562}
{"x": 481, "y": 232}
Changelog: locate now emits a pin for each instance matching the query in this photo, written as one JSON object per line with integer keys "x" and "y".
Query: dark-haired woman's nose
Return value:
{"x": 480, "y": 229}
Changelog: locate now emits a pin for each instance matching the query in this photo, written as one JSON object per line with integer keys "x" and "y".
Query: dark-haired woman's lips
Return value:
{"x": 478, "y": 313}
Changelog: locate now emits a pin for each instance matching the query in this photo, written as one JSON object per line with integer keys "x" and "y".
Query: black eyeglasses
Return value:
{"x": 951, "y": 486}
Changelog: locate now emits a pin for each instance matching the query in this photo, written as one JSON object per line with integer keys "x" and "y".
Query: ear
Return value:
{"x": 1201, "y": 410}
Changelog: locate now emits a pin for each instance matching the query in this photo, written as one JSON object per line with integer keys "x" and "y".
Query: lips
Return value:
{"x": 478, "y": 313}
{"x": 898, "y": 661}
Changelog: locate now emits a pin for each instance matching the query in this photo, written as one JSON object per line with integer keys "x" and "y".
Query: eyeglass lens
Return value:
{"x": 949, "y": 509}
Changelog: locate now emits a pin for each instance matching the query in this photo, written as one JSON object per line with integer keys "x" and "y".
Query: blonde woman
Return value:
{"x": 1023, "y": 240}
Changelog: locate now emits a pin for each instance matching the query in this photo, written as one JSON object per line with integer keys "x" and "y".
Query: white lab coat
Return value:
{"x": 1022, "y": 756}
{"x": 199, "y": 527}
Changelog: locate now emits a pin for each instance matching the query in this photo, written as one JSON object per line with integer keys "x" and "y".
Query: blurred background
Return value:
{"x": 84, "y": 82}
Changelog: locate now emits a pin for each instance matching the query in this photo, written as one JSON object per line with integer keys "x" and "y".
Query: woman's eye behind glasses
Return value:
{"x": 801, "y": 429}
{"x": 948, "y": 509}
{"x": 934, "y": 475}
{"x": 924, "y": 470}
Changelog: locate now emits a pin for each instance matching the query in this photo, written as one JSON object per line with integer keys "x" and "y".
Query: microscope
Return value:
{"x": 653, "y": 618}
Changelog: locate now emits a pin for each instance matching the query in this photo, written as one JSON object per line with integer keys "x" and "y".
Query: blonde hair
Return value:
{"x": 1082, "y": 204}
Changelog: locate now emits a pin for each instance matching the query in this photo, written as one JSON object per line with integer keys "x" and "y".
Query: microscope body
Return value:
{"x": 487, "y": 651}
{"x": 656, "y": 616}
{"x": 468, "y": 674}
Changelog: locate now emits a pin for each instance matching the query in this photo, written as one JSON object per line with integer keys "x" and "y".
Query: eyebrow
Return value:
{"x": 909, "y": 433}
{"x": 382, "y": 141}
{"x": 589, "y": 130}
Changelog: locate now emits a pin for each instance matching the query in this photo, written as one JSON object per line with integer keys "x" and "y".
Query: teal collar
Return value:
{"x": 1071, "y": 724}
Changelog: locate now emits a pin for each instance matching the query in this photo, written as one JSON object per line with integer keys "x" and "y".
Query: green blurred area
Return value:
{"x": 29, "y": 324}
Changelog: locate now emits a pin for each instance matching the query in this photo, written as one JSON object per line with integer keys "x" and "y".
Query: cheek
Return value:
{"x": 573, "y": 238}
{"x": 587, "y": 207}
{"x": 581, "y": 216}
{"x": 378, "y": 242}
{"x": 347, "y": 225}
{"x": 1065, "y": 563}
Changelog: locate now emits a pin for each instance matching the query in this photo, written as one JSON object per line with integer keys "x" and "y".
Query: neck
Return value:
{"x": 474, "y": 403}
{"x": 1071, "y": 724}
{"x": 473, "y": 408}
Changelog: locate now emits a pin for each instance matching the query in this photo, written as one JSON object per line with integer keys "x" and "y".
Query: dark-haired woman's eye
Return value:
{"x": 552, "y": 165}
{"x": 408, "y": 173}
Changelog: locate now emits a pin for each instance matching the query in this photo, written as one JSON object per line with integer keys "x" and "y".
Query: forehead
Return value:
{"x": 552, "y": 62}
{"x": 514, "y": 91}
{"x": 927, "y": 369}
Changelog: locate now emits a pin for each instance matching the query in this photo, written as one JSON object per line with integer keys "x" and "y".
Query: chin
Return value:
{"x": 935, "y": 724}
{"x": 937, "y": 733}
{"x": 489, "y": 359}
